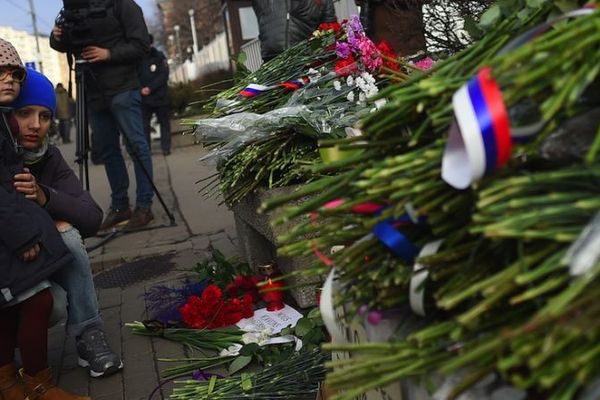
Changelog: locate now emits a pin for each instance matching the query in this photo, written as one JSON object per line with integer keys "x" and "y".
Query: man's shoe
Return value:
{"x": 139, "y": 219}
{"x": 115, "y": 217}
{"x": 166, "y": 152}
{"x": 95, "y": 353}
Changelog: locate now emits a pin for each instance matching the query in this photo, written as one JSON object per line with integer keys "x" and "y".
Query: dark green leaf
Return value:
{"x": 471, "y": 27}
{"x": 303, "y": 326}
{"x": 239, "y": 363}
{"x": 491, "y": 16}
{"x": 314, "y": 313}
{"x": 249, "y": 349}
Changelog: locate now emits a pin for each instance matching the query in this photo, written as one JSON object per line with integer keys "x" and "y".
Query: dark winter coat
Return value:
{"x": 154, "y": 73}
{"x": 67, "y": 201}
{"x": 23, "y": 223}
{"x": 64, "y": 104}
{"x": 124, "y": 33}
{"x": 283, "y": 23}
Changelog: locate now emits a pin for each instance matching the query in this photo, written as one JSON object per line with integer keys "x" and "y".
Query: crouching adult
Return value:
{"x": 51, "y": 183}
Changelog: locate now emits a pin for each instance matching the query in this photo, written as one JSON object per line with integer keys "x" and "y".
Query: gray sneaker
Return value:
{"x": 94, "y": 352}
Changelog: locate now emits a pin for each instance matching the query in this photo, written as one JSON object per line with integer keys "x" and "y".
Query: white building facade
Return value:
{"x": 53, "y": 63}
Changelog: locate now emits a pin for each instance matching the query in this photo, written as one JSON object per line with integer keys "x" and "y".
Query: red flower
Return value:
{"x": 330, "y": 26}
{"x": 212, "y": 311}
{"x": 212, "y": 294}
{"x": 390, "y": 60}
{"x": 346, "y": 66}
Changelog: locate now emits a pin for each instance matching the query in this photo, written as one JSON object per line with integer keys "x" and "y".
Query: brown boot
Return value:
{"x": 11, "y": 388}
{"x": 41, "y": 387}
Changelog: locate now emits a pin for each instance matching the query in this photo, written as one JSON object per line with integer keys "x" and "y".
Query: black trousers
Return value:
{"x": 162, "y": 114}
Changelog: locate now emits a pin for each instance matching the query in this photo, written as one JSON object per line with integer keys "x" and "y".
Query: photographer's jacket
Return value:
{"x": 23, "y": 224}
{"x": 283, "y": 23}
{"x": 122, "y": 30}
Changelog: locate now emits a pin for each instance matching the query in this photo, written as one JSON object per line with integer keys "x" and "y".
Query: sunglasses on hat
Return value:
{"x": 18, "y": 74}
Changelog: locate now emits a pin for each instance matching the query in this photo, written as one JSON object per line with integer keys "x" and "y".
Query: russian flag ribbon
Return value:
{"x": 395, "y": 240}
{"x": 386, "y": 231}
{"x": 479, "y": 141}
{"x": 255, "y": 89}
{"x": 481, "y": 137}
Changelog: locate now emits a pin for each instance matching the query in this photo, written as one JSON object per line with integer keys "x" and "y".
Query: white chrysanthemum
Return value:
{"x": 350, "y": 80}
{"x": 360, "y": 82}
{"x": 232, "y": 350}
{"x": 362, "y": 97}
{"x": 379, "y": 103}
{"x": 350, "y": 96}
{"x": 337, "y": 85}
{"x": 368, "y": 77}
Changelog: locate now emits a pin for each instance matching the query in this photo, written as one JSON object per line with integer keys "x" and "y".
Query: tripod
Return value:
{"x": 82, "y": 143}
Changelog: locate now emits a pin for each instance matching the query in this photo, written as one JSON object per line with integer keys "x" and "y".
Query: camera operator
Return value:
{"x": 116, "y": 41}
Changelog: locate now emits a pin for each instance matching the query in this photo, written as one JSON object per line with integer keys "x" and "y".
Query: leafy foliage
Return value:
{"x": 221, "y": 270}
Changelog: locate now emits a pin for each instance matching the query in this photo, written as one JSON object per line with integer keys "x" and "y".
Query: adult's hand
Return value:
{"x": 25, "y": 183}
{"x": 31, "y": 253}
{"x": 57, "y": 33}
{"x": 146, "y": 91}
{"x": 95, "y": 54}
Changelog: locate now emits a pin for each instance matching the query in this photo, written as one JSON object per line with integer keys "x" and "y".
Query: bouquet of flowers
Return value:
{"x": 332, "y": 96}
{"x": 498, "y": 279}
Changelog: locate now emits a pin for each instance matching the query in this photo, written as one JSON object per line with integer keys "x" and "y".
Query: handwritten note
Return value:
{"x": 274, "y": 321}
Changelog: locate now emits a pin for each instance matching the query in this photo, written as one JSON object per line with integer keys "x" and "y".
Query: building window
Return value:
{"x": 248, "y": 23}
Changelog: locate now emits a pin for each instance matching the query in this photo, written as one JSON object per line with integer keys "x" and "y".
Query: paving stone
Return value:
{"x": 140, "y": 385}
{"x": 107, "y": 386}
{"x": 75, "y": 381}
{"x": 134, "y": 344}
{"x": 109, "y": 298}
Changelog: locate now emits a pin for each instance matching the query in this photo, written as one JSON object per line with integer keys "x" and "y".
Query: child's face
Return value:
{"x": 10, "y": 84}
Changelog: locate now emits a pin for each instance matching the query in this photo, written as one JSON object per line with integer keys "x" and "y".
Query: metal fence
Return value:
{"x": 252, "y": 51}
{"x": 212, "y": 57}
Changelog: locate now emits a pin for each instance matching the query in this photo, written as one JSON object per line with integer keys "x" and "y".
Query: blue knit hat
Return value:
{"x": 37, "y": 90}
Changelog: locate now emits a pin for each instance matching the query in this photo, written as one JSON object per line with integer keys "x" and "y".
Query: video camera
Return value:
{"x": 75, "y": 18}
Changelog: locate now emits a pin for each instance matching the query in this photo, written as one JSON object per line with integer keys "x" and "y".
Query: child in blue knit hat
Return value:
{"x": 53, "y": 185}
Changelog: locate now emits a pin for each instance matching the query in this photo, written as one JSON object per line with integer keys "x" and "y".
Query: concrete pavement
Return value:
{"x": 200, "y": 221}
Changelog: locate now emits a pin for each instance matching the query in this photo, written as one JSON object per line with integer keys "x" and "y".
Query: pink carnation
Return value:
{"x": 425, "y": 64}
{"x": 370, "y": 56}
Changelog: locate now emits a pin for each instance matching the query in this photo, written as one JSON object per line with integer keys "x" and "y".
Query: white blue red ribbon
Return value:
{"x": 255, "y": 89}
{"x": 479, "y": 141}
{"x": 481, "y": 137}
{"x": 395, "y": 240}
{"x": 417, "y": 282}
{"x": 385, "y": 231}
